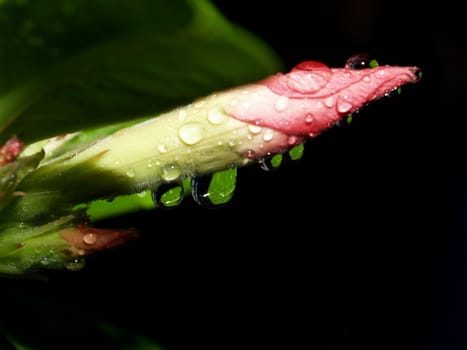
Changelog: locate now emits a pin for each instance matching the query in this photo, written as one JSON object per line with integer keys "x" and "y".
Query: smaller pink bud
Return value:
{"x": 85, "y": 240}
{"x": 10, "y": 150}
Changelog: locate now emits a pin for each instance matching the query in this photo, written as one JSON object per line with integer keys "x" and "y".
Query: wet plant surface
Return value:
{"x": 358, "y": 244}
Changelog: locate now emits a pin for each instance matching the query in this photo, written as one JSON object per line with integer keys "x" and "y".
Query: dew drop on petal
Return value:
{"x": 168, "y": 195}
{"x": 162, "y": 148}
{"x": 170, "y": 172}
{"x": 281, "y": 103}
{"x": 343, "y": 104}
{"x": 216, "y": 117}
{"x": 329, "y": 101}
{"x": 268, "y": 134}
{"x": 90, "y": 238}
{"x": 254, "y": 129}
{"x": 250, "y": 154}
{"x": 130, "y": 173}
{"x": 75, "y": 264}
{"x": 191, "y": 133}
{"x": 272, "y": 162}
{"x": 308, "y": 119}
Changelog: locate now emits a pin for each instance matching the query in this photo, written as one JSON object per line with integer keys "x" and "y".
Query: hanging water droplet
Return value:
{"x": 282, "y": 103}
{"x": 75, "y": 264}
{"x": 343, "y": 104}
{"x": 170, "y": 172}
{"x": 361, "y": 61}
{"x": 191, "y": 133}
{"x": 272, "y": 162}
{"x": 296, "y": 152}
{"x": 168, "y": 195}
{"x": 214, "y": 190}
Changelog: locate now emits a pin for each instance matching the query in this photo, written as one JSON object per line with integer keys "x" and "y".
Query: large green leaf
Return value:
{"x": 66, "y": 65}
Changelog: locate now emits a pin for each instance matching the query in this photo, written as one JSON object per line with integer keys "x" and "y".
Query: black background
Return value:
{"x": 361, "y": 244}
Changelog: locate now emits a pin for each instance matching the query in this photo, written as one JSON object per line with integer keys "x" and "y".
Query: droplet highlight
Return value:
{"x": 214, "y": 190}
{"x": 170, "y": 172}
{"x": 282, "y": 103}
{"x": 168, "y": 195}
{"x": 191, "y": 133}
{"x": 90, "y": 238}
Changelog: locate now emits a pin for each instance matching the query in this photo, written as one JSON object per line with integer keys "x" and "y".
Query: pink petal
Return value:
{"x": 312, "y": 96}
{"x": 86, "y": 239}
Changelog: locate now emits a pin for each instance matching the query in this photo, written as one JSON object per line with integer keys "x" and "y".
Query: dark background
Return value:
{"x": 361, "y": 244}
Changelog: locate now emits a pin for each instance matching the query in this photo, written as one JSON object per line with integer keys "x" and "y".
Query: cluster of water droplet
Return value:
{"x": 215, "y": 189}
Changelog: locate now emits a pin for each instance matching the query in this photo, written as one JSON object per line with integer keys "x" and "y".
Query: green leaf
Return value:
{"x": 66, "y": 65}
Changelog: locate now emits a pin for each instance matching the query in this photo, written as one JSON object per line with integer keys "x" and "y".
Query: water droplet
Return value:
{"x": 308, "y": 119}
{"x": 272, "y": 162}
{"x": 214, "y": 190}
{"x": 361, "y": 61}
{"x": 254, "y": 129}
{"x": 216, "y": 117}
{"x": 75, "y": 264}
{"x": 343, "y": 104}
{"x": 162, "y": 148}
{"x": 345, "y": 120}
{"x": 292, "y": 140}
{"x": 90, "y": 238}
{"x": 182, "y": 115}
{"x": 282, "y": 103}
{"x": 191, "y": 133}
{"x": 170, "y": 172}
{"x": 168, "y": 195}
{"x": 329, "y": 101}
{"x": 296, "y": 152}
{"x": 130, "y": 173}
{"x": 366, "y": 78}
{"x": 250, "y": 154}
{"x": 268, "y": 134}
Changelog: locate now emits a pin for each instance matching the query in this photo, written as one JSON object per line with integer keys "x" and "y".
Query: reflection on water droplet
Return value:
{"x": 168, "y": 195}
{"x": 75, "y": 264}
{"x": 250, "y": 154}
{"x": 308, "y": 119}
{"x": 343, "y": 104}
{"x": 268, "y": 134}
{"x": 162, "y": 148}
{"x": 90, "y": 238}
{"x": 282, "y": 103}
{"x": 271, "y": 163}
{"x": 329, "y": 101}
{"x": 296, "y": 152}
{"x": 216, "y": 117}
{"x": 214, "y": 190}
{"x": 191, "y": 133}
{"x": 130, "y": 173}
{"x": 171, "y": 172}
{"x": 254, "y": 129}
